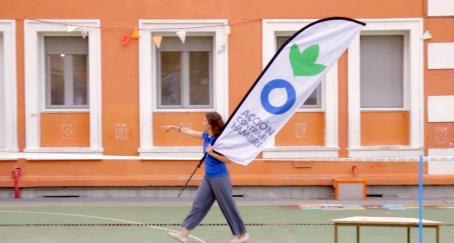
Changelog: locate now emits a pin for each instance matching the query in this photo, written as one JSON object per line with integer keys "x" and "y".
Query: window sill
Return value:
{"x": 185, "y": 110}
{"x": 59, "y": 150}
{"x": 172, "y": 153}
{"x": 299, "y": 152}
{"x": 65, "y": 111}
{"x": 55, "y": 153}
{"x": 385, "y": 151}
{"x": 9, "y": 150}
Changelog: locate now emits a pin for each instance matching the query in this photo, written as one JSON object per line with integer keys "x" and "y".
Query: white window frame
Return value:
{"x": 35, "y": 81}
{"x": 413, "y": 88}
{"x": 218, "y": 28}
{"x": 329, "y": 102}
{"x": 9, "y": 79}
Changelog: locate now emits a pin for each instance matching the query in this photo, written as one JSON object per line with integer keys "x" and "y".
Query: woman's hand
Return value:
{"x": 170, "y": 127}
{"x": 210, "y": 150}
{"x": 220, "y": 157}
{"x": 185, "y": 130}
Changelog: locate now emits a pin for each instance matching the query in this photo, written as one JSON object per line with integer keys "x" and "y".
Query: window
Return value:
{"x": 385, "y": 86}
{"x": 66, "y": 72}
{"x": 188, "y": 78}
{"x": 314, "y": 100}
{"x": 184, "y": 73}
{"x": 382, "y": 71}
{"x": 62, "y": 75}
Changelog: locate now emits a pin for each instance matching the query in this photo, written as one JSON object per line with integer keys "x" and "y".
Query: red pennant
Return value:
{"x": 124, "y": 39}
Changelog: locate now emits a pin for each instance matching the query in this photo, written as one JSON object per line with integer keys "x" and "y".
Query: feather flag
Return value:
{"x": 287, "y": 81}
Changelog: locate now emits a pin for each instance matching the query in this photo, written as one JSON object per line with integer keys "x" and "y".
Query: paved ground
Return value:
{"x": 147, "y": 220}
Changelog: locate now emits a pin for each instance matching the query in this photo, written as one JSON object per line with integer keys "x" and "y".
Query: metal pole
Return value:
{"x": 420, "y": 199}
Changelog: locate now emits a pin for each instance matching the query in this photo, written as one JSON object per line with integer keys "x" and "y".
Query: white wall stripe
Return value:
{"x": 440, "y": 55}
{"x": 440, "y": 8}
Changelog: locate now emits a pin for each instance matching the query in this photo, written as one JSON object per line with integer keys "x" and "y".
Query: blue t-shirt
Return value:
{"x": 213, "y": 167}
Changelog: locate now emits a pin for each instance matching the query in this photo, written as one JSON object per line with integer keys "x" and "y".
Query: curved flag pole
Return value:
{"x": 322, "y": 45}
{"x": 190, "y": 177}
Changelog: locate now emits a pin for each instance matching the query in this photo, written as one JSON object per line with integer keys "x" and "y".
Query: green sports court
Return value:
{"x": 136, "y": 222}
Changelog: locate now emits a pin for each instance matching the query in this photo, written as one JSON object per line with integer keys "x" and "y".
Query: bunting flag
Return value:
{"x": 157, "y": 40}
{"x": 84, "y": 32}
{"x": 71, "y": 28}
{"x": 182, "y": 35}
{"x": 135, "y": 33}
{"x": 426, "y": 36}
{"x": 124, "y": 39}
{"x": 290, "y": 77}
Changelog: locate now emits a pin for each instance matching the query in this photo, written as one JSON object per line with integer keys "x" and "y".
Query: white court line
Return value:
{"x": 97, "y": 217}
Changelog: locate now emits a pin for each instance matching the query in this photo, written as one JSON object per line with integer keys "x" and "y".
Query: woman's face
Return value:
{"x": 205, "y": 123}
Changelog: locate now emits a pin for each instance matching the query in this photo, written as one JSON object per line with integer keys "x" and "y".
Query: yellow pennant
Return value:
{"x": 135, "y": 33}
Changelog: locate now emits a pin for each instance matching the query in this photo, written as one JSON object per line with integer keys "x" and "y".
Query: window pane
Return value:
{"x": 57, "y": 79}
{"x": 382, "y": 71}
{"x": 199, "y": 78}
{"x": 66, "y": 71}
{"x": 80, "y": 79}
{"x": 280, "y": 40}
{"x": 313, "y": 100}
{"x": 170, "y": 78}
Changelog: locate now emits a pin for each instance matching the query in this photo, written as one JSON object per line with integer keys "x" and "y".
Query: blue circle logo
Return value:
{"x": 274, "y": 84}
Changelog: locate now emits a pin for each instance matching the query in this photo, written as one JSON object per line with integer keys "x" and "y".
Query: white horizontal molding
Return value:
{"x": 440, "y": 55}
{"x": 441, "y": 166}
{"x": 440, "y": 7}
{"x": 53, "y": 25}
{"x": 172, "y": 153}
{"x": 298, "y": 152}
{"x": 87, "y": 150}
{"x": 441, "y": 108}
{"x": 385, "y": 151}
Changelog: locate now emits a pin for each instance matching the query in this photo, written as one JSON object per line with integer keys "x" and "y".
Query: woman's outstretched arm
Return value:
{"x": 218, "y": 156}
{"x": 185, "y": 130}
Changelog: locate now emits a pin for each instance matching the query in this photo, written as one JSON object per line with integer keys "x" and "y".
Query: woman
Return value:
{"x": 216, "y": 184}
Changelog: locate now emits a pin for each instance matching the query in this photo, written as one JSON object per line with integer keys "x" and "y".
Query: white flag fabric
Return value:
{"x": 290, "y": 77}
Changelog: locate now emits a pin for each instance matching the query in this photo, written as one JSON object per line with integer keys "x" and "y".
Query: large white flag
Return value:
{"x": 290, "y": 77}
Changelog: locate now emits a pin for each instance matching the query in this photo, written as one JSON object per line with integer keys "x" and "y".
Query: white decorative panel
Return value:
{"x": 440, "y": 7}
{"x": 441, "y": 108}
{"x": 441, "y": 161}
{"x": 440, "y": 55}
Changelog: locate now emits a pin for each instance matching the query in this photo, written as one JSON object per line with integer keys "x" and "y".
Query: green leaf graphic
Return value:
{"x": 303, "y": 63}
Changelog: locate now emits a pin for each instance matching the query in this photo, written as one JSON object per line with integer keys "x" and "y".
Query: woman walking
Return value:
{"x": 216, "y": 184}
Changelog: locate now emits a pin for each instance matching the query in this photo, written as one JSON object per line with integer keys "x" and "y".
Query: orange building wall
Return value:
{"x": 171, "y": 138}
{"x": 438, "y": 82}
{"x": 303, "y": 129}
{"x": 65, "y": 129}
{"x": 120, "y": 91}
{"x": 384, "y": 128}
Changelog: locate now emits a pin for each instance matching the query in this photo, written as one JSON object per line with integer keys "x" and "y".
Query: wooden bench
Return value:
{"x": 408, "y": 223}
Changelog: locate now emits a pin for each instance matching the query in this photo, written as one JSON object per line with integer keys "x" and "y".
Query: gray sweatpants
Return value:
{"x": 219, "y": 189}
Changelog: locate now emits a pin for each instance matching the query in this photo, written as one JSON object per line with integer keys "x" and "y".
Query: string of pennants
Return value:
{"x": 125, "y": 39}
